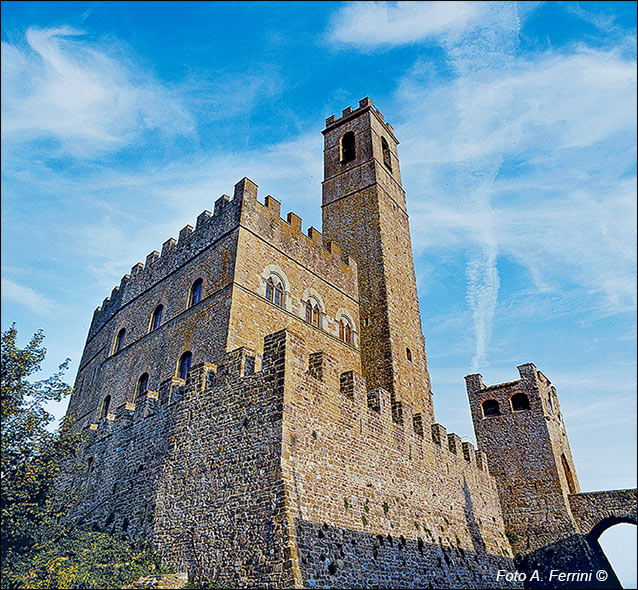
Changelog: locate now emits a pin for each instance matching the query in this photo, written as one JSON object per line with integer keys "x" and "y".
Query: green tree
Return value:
{"x": 31, "y": 456}
{"x": 41, "y": 546}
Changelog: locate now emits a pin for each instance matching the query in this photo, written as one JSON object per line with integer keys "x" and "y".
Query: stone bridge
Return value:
{"x": 594, "y": 512}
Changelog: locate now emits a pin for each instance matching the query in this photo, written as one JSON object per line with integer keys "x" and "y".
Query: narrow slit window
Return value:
{"x": 568, "y": 474}
{"x": 119, "y": 340}
{"x": 387, "y": 156}
{"x": 156, "y": 318}
{"x": 348, "y": 150}
{"x": 142, "y": 386}
{"x": 106, "y": 405}
{"x": 408, "y": 353}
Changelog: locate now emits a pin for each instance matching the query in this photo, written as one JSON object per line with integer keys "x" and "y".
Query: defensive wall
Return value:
{"x": 232, "y": 251}
{"x": 267, "y": 459}
{"x": 299, "y": 461}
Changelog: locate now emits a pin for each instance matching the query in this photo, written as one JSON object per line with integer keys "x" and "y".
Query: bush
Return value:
{"x": 80, "y": 559}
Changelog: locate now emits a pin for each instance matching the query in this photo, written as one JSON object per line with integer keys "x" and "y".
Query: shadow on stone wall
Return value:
{"x": 332, "y": 557}
{"x": 574, "y": 556}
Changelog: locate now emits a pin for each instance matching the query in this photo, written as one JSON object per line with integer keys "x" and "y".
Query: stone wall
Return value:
{"x": 311, "y": 269}
{"x": 220, "y": 512}
{"x": 594, "y": 512}
{"x": 374, "y": 503}
{"x": 122, "y": 461}
{"x": 207, "y": 252}
{"x": 230, "y": 250}
{"x": 287, "y": 477}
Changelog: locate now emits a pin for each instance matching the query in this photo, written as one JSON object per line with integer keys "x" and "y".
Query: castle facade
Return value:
{"x": 257, "y": 403}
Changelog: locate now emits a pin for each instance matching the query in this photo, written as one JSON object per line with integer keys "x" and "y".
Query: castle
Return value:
{"x": 256, "y": 401}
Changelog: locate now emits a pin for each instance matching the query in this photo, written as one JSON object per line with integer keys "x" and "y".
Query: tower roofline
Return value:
{"x": 365, "y": 104}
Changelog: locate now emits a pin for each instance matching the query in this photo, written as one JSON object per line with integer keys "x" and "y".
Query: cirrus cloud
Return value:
{"x": 59, "y": 87}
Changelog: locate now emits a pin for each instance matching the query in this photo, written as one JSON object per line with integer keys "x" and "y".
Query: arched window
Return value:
{"x": 275, "y": 291}
{"x": 568, "y": 474}
{"x": 519, "y": 402}
{"x": 312, "y": 312}
{"x": 184, "y": 365}
{"x": 106, "y": 404}
{"x": 490, "y": 408}
{"x": 119, "y": 340}
{"x": 195, "y": 293}
{"x": 387, "y": 157}
{"x": 348, "y": 151}
{"x": 142, "y": 386}
{"x": 408, "y": 353}
{"x": 345, "y": 331}
{"x": 156, "y": 318}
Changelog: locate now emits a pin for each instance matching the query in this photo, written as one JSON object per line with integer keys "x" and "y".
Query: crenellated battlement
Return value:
{"x": 228, "y": 214}
{"x": 309, "y": 456}
{"x": 237, "y": 371}
{"x": 292, "y": 226}
{"x": 365, "y": 104}
{"x": 375, "y": 409}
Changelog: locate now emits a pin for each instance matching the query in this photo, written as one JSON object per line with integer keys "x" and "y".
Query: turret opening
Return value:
{"x": 519, "y": 402}
{"x": 348, "y": 151}
{"x": 490, "y": 408}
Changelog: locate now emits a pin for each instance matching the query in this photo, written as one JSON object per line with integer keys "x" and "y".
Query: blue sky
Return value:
{"x": 122, "y": 121}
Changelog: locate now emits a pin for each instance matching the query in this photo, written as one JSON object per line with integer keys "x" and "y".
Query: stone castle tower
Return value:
{"x": 520, "y": 426}
{"x": 256, "y": 402}
{"x": 365, "y": 212}
{"x": 550, "y": 524}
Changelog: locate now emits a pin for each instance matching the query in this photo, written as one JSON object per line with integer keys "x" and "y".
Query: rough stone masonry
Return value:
{"x": 257, "y": 403}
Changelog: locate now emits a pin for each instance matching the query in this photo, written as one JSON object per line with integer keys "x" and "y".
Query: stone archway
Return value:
{"x": 618, "y": 543}
{"x": 607, "y": 523}
{"x": 595, "y": 512}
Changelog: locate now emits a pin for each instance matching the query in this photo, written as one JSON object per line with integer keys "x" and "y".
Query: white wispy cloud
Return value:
{"x": 563, "y": 197}
{"x": 527, "y": 157}
{"x": 130, "y": 213}
{"x": 60, "y": 86}
{"x": 373, "y": 24}
{"x": 36, "y": 302}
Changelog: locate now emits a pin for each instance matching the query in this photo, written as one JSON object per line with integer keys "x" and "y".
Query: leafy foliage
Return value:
{"x": 81, "y": 559}
{"x": 32, "y": 457}
{"x": 40, "y": 547}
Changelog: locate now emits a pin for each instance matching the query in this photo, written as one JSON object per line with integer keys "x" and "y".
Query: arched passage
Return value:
{"x": 606, "y": 523}
{"x": 596, "y": 512}
{"x": 618, "y": 543}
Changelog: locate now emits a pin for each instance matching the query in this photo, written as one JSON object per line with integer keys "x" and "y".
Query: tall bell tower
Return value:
{"x": 364, "y": 212}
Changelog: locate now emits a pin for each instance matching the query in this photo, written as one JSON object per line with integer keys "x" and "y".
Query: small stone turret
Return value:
{"x": 520, "y": 427}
